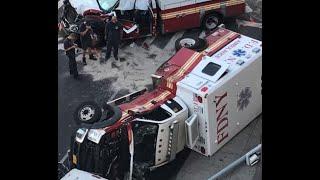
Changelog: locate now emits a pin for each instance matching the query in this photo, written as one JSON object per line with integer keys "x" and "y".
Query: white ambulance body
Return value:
{"x": 211, "y": 101}
{"x": 229, "y": 85}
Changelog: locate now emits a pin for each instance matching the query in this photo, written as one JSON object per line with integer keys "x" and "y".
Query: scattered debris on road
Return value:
{"x": 248, "y": 23}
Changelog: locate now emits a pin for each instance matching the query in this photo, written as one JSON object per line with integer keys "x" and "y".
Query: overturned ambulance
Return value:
{"x": 200, "y": 101}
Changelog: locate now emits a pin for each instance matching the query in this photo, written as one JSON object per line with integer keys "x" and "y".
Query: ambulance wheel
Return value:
{"x": 111, "y": 115}
{"x": 87, "y": 113}
{"x": 196, "y": 44}
{"x": 202, "y": 45}
{"x": 187, "y": 42}
{"x": 211, "y": 21}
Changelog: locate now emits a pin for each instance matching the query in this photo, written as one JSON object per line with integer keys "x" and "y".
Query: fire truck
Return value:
{"x": 200, "y": 101}
{"x": 142, "y": 18}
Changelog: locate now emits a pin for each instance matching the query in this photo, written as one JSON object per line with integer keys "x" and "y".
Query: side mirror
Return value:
{"x": 222, "y": 26}
{"x": 156, "y": 79}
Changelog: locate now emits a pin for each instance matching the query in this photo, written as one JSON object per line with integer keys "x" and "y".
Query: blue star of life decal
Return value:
{"x": 239, "y": 52}
{"x": 244, "y": 98}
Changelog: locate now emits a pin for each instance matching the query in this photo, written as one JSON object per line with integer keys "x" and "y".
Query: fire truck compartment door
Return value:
{"x": 169, "y": 4}
{"x": 194, "y": 81}
{"x": 210, "y": 69}
{"x": 192, "y": 131}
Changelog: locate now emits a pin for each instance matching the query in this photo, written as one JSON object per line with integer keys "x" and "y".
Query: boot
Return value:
{"x": 84, "y": 61}
{"x": 92, "y": 57}
{"x": 116, "y": 63}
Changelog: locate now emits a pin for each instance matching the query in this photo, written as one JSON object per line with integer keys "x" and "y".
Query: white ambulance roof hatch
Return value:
{"x": 194, "y": 81}
{"x": 210, "y": 69}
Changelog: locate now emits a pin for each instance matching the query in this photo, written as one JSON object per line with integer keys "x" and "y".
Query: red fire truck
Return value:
{"x": 143, "y": 18}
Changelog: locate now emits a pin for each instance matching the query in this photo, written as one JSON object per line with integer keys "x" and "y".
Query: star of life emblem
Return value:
{"x": 244, "y": 98}
{"x": 239, "y": 52}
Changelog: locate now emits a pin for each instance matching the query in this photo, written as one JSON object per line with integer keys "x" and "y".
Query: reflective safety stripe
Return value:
{"x": 205, "y": 7}
{"x": 74, "y": 159}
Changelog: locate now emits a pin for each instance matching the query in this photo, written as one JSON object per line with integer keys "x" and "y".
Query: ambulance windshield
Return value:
{"x": 157, "y": 114}
{"x": 107, "y": 5}
{"x": 211, "y": 69}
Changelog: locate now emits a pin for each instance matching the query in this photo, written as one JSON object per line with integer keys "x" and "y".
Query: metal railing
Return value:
{"x": 251, "y": 158}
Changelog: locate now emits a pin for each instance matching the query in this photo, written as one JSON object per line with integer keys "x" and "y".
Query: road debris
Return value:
{"x": 248, "y": 23}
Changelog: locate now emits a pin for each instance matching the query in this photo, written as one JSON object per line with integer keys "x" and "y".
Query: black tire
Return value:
{"x": 113, "y": 114}
{"x": 202, "y": 45}
{"x": 211, "y": 21}
{"x": 87, "y": 113}
{"x": 198, "y": 45}
{"x": 187, "y": 42}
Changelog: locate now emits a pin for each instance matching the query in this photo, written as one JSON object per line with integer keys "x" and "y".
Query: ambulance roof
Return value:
{"x": 227, "y": 60}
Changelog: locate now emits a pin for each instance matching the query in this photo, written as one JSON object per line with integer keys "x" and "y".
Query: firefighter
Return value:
{"x": 70, "y": 47}
{"x": 86, "y": 41}
{"x": 96, "y": 46}
{"x": 112, "y": 35}
{"x": 142, "y": 13}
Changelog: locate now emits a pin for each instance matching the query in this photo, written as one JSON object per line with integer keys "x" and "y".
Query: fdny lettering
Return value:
{"x": 222, "y": 117}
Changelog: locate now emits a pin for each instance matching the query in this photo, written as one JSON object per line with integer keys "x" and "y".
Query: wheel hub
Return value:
{"x": 187, "y": 42}
{"x": 212, "y": 22}
{"x": 86, "y": 113}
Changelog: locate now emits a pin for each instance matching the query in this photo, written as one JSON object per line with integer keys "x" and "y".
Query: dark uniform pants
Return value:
{"x": 73, "y": 66}
{"x": 115, "y": 46}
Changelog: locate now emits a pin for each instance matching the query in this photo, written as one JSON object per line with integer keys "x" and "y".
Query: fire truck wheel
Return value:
{"x": 187, "y": 42}
{"x": 87, "y": 113}
{"x": 211, "y": 21}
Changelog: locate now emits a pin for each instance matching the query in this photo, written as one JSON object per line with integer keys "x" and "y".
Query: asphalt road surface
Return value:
{"x": 105, "y": 82}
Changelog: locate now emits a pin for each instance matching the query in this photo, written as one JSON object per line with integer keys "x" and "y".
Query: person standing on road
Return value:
{"x": 113, "y": 33}
{"x": 96, "y": 46}
{"x": 86, "y": 41}
{"x": 69, "y": 47}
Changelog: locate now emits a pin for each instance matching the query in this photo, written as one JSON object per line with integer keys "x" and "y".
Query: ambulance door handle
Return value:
{"x": 178, "y": 16}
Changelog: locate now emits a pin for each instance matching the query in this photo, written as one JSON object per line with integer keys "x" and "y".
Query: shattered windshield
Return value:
{"x": 107, "y": 4}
